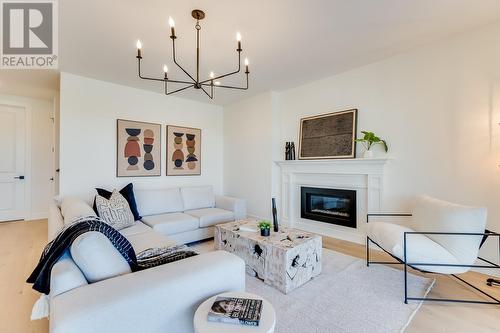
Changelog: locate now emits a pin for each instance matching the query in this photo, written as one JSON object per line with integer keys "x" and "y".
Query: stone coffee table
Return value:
{"x": 285, "y": 260}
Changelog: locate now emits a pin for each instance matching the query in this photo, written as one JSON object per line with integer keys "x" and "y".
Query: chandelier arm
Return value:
{"x": 224, "y": 75}
{"x": 175, "y": 61}
{"x": 157, "y": 79}
{"x": 180, "y": 89}
{"x": 209, "y": 95}
{"x": 230, "y": 87}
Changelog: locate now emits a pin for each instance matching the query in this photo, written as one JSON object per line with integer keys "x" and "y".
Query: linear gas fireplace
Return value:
{"x": 329, "y": 205}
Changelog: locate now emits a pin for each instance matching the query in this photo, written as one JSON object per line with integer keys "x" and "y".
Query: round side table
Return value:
{"x": 266, "y": 324}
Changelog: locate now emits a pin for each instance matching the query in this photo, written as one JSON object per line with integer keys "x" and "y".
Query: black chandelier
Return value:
{"x": 207, "y": 85}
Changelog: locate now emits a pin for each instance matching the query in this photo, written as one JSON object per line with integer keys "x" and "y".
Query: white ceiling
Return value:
{"x": 288, "y": 42}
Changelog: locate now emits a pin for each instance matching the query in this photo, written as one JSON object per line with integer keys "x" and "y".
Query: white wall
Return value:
{"x": 88, "y": 113}
{"x": 248, "y": 152}
{"x": 40, "y": 156}
{"x": 439, "y": 108}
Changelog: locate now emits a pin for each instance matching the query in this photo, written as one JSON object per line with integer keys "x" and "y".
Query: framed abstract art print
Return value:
{"x": 138, "y": 149}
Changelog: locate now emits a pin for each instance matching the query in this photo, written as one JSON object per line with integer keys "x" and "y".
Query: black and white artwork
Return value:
{"x": 328, "y": 136}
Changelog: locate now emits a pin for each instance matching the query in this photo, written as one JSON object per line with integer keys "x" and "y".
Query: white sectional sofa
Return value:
{"x": 93, "y": 289}
{"x": 187, "y": 214}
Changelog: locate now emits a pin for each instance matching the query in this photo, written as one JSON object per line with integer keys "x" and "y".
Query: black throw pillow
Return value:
{"x": 128, "y": 194}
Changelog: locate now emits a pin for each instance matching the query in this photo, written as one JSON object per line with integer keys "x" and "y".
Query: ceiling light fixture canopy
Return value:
{"x": 206, "y": 85}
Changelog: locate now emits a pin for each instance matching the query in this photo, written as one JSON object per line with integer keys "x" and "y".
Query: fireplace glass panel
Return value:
{"x": 335, "y": 206}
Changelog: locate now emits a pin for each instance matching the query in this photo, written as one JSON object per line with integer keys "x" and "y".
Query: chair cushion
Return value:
{"x": 97, "y": 258}
{"x": 147, "y": 240}
{"x": 171, "y": 223}
{"x": 211, "y": 216}
{"x": 436, "y": 215}
{"x": 419, "y": 248}
{"x": 137, "y": 228}
{"x": 73, "y": 208}
{"x": 198, "y": 197}
{"x": 152, "y": 202}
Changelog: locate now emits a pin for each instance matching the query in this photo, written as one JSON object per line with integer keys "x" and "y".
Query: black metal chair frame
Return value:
{"x": 413, "y": 265}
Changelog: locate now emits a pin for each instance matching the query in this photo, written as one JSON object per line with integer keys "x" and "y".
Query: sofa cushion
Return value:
{"x": 137, "y": 228}
{"x": 115, "y": 211}
{"x": 73, "y": 208}
{"x": 65, "y": 275}
{"x": 198, "y": 197}
{"x": 171, "y": 223}
{"x": 433, "y": 215}
{"x": 97, "y": 258}
{"x": 419, "y": 248}
{"x": 152, "y": 202}
{"x": 211, "y": 216}
{"x": 147, "y": 240}
{"x": 128, "y": 194}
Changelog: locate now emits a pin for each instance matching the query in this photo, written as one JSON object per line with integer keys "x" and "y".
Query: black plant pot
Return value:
{"x": 265, "y": 232}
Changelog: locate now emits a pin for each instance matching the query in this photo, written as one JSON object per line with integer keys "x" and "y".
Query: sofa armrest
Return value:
{"x": 237, "y": 206}
{"x": 159, "y": 299}
{"x": 55, "y": 221}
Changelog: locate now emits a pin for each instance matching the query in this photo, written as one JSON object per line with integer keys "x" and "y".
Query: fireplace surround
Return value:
{"x": 365, "y": 176}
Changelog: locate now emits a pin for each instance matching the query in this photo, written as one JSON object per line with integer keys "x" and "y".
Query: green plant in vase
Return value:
{"x": 265, "y": 227}
{"x": 369, "y": 140}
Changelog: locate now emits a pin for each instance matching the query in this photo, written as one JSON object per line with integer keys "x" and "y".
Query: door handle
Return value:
{"x": 19, "y": 177}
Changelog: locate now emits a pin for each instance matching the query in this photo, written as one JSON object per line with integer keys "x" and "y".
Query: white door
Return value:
{"x": 12, "y": 154}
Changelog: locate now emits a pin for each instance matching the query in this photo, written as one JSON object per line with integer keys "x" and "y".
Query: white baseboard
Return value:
{"x": 37, "y": 216}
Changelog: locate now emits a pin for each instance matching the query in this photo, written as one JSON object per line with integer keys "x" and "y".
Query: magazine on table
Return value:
{"x": 238, "y": 311}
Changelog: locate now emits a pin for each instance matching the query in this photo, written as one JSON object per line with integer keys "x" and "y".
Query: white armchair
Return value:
{"x": 441, "y": 237}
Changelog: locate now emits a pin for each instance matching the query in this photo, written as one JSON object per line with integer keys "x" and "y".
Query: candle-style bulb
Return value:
{"x": 246, "y": 66}
{"x": 171, "y": 22}
{"x": 217, "y": 83}
{"x": 238, "y": 38}
{"x": 139, "y": 47}
{"x": 165, "y": 68}
{"x": 212, "y": 75}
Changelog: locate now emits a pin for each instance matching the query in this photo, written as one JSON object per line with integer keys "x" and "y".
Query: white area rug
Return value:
{"x": 346, "y": 297}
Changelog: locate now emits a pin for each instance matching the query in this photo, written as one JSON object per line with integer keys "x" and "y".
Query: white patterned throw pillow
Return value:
{"x": 115, "y": 211}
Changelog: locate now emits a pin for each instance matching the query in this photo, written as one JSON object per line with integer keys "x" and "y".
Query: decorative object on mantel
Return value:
{"x": 289, "y": 151}
{"x": 138, "y": 148}
{"x": 193, "y": 81}
{"x": 265, "y": 228}
{"x": 369, "y": 140}
{"x": 183, "y": 151}
{"x": 275, "y": 215}
{"x": 327, "y": 136}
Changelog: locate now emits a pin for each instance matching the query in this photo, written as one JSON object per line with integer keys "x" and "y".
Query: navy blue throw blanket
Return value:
{"x": 40, "y": 278}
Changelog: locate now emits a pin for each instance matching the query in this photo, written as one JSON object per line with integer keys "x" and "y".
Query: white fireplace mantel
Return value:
{"x": 365, "y": 175}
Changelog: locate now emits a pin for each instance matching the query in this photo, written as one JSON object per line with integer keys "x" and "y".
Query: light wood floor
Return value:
{"x": 22, "y": 242}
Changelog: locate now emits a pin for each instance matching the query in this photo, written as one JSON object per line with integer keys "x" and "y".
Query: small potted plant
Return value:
{"x": 265, "y": 227}
{"x": 369, "y": 140}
